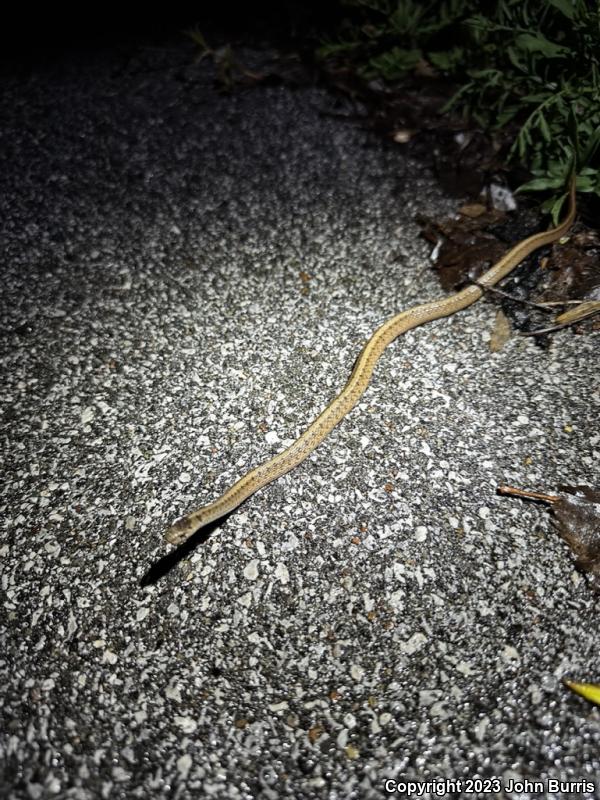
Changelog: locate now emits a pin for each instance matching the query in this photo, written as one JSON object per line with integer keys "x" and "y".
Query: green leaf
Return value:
{"x": 537, "y": 43}
{"x": 515, "y": 60}
{"x": 334, "y": 48}
{"x": 591, "y": 147}
{"x": 542, "y": 184}
{"x": 586, "y": 183}
{"x": 556, "y": 207}
{"x": 395, "y": 63}
{"x": 536, "y": 98}
{"x": 566, "y": 7}
{"x": 506, "y": 116}
{"x": 446, "y": 60}
{"x": 197, "y": 36}
{"x": 573, "y": 132}
{"x": 545, "y": 130}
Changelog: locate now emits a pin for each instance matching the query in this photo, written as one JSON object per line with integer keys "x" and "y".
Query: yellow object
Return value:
{"x": 591, "y": 691}
{"x": 359, "y": 380}
{"x": 583, "y": 310}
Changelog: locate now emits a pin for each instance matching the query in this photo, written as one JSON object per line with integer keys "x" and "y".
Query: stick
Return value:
{"x": 544, "y": 498}
{"x": 494, "y": 290}
{"x": 541, "y": 331}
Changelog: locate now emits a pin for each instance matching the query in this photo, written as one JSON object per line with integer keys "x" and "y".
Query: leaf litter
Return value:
{"x": 551, "y": 290}
{"x": 469, "y": 161}
{"x": 576, "y": 512}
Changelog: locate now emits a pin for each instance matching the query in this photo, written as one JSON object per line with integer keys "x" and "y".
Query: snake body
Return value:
{"x": 277, "y": 466}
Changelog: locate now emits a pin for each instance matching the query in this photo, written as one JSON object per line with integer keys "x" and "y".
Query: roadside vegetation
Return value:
{"x": 527, "y": 68}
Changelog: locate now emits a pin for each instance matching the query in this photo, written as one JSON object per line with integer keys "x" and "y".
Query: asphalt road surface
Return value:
{"x": 187, "y": 278}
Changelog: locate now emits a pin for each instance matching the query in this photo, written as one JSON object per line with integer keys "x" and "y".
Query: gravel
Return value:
{"x": 188, "y": 277}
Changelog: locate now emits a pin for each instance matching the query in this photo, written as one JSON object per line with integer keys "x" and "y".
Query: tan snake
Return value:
{"x": 359, "y": 380}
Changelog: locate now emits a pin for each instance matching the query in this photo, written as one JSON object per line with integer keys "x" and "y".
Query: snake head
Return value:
{"x": 181, "y": 530}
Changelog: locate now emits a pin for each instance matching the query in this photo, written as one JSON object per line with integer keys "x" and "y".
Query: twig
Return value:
{"x": 508, "y": 296}
{"x": 544, "y": 498}
{"x": 587, "y": 310}
{"x": 551, "y": 329}
{"x": 561, "y": 302}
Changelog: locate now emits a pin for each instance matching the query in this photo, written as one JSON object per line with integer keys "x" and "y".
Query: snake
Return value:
{"x": 360, "y": 378}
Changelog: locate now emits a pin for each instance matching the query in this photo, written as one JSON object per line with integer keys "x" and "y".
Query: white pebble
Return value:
{"x": 251, "y": 570}
{"x": 342, "y": 739}
{"x": 184, "y": 764}
{"x": 281, "y": 573}
{"x": 416, "y": 642}
{"x": 421, "y": 534}
{"x": 173, "y": 693}
{"x": 87, "y": 415}
{"x": 510, "y": 654}
{"x": 187, "y": 724}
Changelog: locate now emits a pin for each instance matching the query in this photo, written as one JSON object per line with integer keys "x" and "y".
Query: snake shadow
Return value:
{"x": 167, "y": 562}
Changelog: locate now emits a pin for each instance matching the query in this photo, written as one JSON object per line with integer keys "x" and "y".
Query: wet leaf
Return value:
{"x": 472, "y": 210}
{"x": 577, "y": 514}
{"x": 467, "y": 248}
{"x": 574, "y": 273}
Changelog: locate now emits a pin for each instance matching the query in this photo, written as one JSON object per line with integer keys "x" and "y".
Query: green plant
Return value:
{"x": 532, "y": 65}
{"x": 229, "y": 70}
{"x": 389, "y": 37}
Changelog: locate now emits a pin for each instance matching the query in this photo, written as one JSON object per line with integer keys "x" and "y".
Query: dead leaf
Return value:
{"x": 576, "y": 512}
{"x": 472, "y": 210}
{"x": 425, "y": 69}
{"x": 501, "y": 332}
{"x": 466, "y": 160}
{"x": 573, "y": 275}
{"x": 583, "y": 310}
{"x": 467, "y": 248}
{"x": 586, "y": 238}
